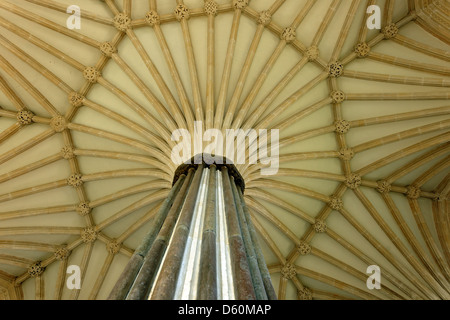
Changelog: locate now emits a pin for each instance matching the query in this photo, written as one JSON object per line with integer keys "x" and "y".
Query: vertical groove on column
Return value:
{"x": 270, "y": 291}
{"x": 126, "y": 279}
{"x": 255, "y": 272}
{"x": 241, "y": 273}
{"x": 224, "y": 270}
{"x": 207, "y": 288}
{"x": 145, "y": 278}
{"x": 166, "y": 283}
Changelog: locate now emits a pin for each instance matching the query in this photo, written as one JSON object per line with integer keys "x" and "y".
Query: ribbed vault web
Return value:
{"x": 86, "y": 118}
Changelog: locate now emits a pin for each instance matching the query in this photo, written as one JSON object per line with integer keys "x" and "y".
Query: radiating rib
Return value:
{"x": 139, "y": 223}
{"x": 258, "y": 207}
{"x": 149, "y": 199}
{"x": 363, "y": 29}
{"x": 290, "y": 157}
{"x": 83, "y": 266}
{"x": 432, "y": 172}
{"x": 429, "y": 240}
{"x": 432, "y": 112}
{"x": 35, "y": 212}
{"x": 27, "y": 245}
{"x": 122, "y": 156}
{"x": 5, "y": 65}
{"x": 48, "y": 24}
{"x": 36, "y": 65}
{"x": 436, "y": 126}
{"x": 127, "y": 4}
{"x": 418, "y": 161}
{"x": 388, "y": 12}
{"x": 325, "y": 22}
{"x": 325, "y": 295}
{"x": 269, "y": 197}
{"x": 198, "y": 106}
{"x": 25, "y": 146}
{"x": 233, "y": 104}
{"x": 409, "y": 292}
{"x": 336, "y": 283}
{"x": 385, "y": 289}
{"x": 410, "y": 64}
{"x": 30, "y": 167}
{"x": 126, "y": 173}
{"x": 101, "y": 276}
{"x": 49, "y": 230}
{"x": 225, "y": 82}
{"x": 15, "y": 261}
{"x": 8, "y": 114}
{"x": 401, "y": 247}
{"x": 306, "y": 135}
{"x": 147, "y": 186}
{"x": 39, "y": 288}
{"x": 389, "y": 256}
{"x": 345, "y": 30}
{"x": 63, "y": 8}
{"x": 11, "y": 95}
{"x": 285, "y": 172}
{"x": 265, "y": 122}
{"x": 161, "y": 109}
{"x": 41, "y": 44}
{"x": 112, "y": 6}
{"x": 185, "y": 104}
{"x": 248, "y": 63}
{"x": 269, "y": 241}
{"x": 121, "y": 139}
{"x": 296, "y": 281}
{"x": 409, "y": 80}
{"x": 282, "y": 288}
{"x": 33, "y": 190}
{"x": 421, "y": 47}
{"x": 429, "y": 95}
{"x": 9, "y": 132}
{"x": 275, "y": 92}
{"x": 434, "y": 141}
{"x": 442, "y": 225}
{"x": 140, "y": 110}
{"x": 152, "y": 137}
{"x": 210, "y": 73}
{"x": 244, "y": 108}
{"x": 287, "y": 187}
{"x": 60, "y": 280}
{"x": 411, "y": 238}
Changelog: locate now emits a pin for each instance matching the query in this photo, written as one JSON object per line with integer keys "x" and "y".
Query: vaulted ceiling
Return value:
{"x": 86, "y": 117}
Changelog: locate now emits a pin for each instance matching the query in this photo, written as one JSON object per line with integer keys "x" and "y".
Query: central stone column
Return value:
{"x": 201, "y": 244}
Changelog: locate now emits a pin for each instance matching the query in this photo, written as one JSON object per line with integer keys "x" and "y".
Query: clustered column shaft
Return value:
{"x": 202, "y": 231}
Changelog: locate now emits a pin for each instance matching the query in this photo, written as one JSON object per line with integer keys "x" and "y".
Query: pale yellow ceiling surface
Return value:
{"x": 396, "y": 103}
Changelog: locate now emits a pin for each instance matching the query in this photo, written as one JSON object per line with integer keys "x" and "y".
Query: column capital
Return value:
{"x": 208, "y": 160}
